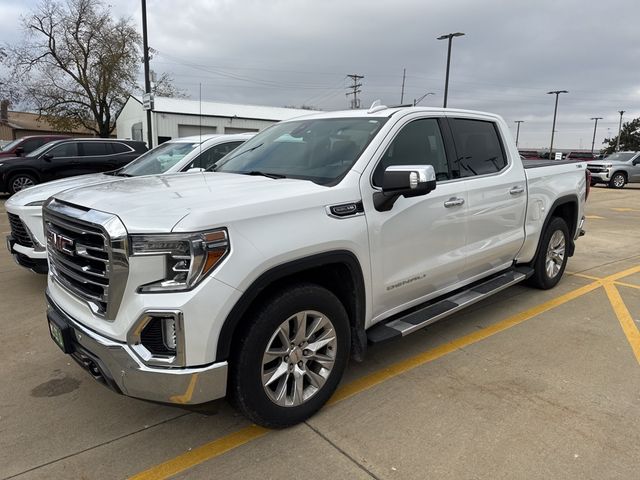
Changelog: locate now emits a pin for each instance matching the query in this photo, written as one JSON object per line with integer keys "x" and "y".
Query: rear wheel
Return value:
{"x": 21, "y": 181}
{"x": 552, "y": 257}
{"x": 289, "y": 361}
{"x": 618, "y": 180}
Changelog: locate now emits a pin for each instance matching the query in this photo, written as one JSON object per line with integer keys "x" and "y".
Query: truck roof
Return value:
{"x": 385, "y": 111}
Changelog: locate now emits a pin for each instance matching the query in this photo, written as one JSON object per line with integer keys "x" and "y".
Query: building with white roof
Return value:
{"x": 178, "y": 117}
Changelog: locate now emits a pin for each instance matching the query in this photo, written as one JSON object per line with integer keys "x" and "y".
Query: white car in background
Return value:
{"x": 27, "y": 242}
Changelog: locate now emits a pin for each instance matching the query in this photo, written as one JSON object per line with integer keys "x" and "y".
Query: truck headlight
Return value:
{"x": 189, "y": 257}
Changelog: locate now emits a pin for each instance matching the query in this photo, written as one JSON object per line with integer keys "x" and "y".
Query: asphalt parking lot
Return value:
{"x": 527, "y": 384}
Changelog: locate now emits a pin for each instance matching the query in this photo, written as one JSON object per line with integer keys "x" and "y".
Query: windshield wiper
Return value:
{"x": 213, "y": 167}
{"x": 258, "y": 173}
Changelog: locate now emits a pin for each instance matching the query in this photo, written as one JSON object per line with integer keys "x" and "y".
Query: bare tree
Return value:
{"x": 77, "y": 64}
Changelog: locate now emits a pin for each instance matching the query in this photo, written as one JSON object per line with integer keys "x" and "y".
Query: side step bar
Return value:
{"x": 432, "y": 312}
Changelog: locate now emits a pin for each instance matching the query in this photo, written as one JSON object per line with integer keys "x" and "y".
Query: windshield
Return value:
{"x": 11, "y": 145}
{"x": 39, "y": 151}
{"x": 320, "y": 150}
{"x": 159, "y": 159}
{"x": 620, "y": 157}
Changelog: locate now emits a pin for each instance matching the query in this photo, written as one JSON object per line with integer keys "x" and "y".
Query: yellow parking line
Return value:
{"x": 582, "y": 275}
{"x": 229, "y": 442}
{"x": 201, "y": 454}
{"x": 625, "y": 209}
{"x": 625, "y": 284}
{"x": 593, "y": 217}
{"x": 403, "y": 366}
{"x": 624, "y": 317}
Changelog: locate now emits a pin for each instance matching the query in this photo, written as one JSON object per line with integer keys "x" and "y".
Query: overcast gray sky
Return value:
{"x": 294, "y": 52}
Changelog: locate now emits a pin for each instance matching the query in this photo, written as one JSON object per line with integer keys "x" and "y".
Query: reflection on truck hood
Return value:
{"x": 39, "y": 193}
{"x": 191, "y": 202}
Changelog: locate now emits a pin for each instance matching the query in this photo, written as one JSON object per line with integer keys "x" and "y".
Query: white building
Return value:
{"x": 177, "y": 117}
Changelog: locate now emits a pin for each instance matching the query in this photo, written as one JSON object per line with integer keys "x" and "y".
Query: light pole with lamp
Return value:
{"x": 555, "y": 113}
{"x": 593, "y": 142}
{"x": 418, "y": 100}
{"x": 449, "y": 37}
{"x": 621, "y": 112}
{"x": 518, "y": 130}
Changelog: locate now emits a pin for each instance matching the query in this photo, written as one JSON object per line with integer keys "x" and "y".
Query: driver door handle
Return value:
{"x": 454, "y": 202}
{"x": 517, "y": 190}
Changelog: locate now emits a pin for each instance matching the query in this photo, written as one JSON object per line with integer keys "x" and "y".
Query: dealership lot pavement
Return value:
{"x": 527, "y": 384}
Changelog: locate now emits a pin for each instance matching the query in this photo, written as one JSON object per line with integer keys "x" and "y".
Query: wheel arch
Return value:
{"x": 339, "y": 271}
{"x": 22, "y": 170}
{"x": 567, "y": 208}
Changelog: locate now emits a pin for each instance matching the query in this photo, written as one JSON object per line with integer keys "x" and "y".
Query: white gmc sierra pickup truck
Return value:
{"x": 317, "y": 237}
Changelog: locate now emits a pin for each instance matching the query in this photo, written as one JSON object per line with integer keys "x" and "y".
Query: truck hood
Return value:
{"x": 600, "y": 163}
{"x": 39, "y": 193}
{"x": 194, "y": 201}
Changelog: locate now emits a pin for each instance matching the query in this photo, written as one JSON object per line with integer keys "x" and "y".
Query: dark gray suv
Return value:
{"x": 67, "y": 158}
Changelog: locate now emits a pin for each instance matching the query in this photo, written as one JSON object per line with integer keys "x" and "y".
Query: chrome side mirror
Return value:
{"x": 404, "y": 181}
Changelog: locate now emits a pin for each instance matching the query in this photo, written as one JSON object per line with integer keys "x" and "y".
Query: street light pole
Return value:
{"x": 593, "y": 142}
{"x": 518, "y": 131}
{"x": 449, "y": 37}
{"x": 418, "y": 100}
{"x": 555, "y": 113}
{"x": 619, "y": 130}
{"x": 147, "y": 80}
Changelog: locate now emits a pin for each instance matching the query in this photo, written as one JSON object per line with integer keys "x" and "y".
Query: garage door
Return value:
{"x": 189, "y": 130}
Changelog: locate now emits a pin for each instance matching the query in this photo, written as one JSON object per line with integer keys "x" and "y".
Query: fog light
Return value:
{"x": 169, "y": 333}
{"x": 157, "y": 338}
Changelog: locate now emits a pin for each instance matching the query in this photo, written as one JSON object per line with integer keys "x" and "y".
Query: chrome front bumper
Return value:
{"x": 116, "y": 365}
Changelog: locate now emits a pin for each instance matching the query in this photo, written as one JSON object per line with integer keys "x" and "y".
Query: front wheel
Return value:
{"x": 291, "y": 357}
{"x": 552, "y": 257}
{"x": 20, "y": 182}
{"x": 618, "y": 180}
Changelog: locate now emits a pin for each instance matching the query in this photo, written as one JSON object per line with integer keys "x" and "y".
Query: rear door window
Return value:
{"x": 95, "y": 149}
{"x": 478, "y": 148}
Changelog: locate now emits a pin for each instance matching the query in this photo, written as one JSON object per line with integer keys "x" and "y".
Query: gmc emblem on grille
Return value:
{"x": 61, "y": 243}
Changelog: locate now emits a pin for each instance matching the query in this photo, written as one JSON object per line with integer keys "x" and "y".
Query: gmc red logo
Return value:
{"x": 61, "y": 243}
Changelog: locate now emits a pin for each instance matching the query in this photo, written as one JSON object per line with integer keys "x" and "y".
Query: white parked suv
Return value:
{"x": 317, "y": 237}
{"x": 27, "y": 242}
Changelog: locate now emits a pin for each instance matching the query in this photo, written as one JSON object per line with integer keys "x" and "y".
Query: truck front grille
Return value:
{"x": 596, "y": 169}
{"x": 19, "y": 231}
{"x": 84, "y": 258}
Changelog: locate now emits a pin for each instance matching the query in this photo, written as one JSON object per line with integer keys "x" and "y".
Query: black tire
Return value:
{"x": 618, "y": 180}
{"x": 246, "y": 387}
{"x": 541, "y": 278}
{"x": 20, "y": 181}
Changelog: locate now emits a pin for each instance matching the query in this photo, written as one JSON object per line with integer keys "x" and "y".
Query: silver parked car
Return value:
{"x": 616, "y": 170}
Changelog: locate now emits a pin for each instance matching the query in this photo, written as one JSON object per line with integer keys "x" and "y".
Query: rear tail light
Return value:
{"x": 588, "y": 189}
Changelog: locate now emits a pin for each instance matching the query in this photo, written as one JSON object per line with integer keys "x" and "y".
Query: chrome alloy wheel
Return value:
{"x": 618, "y": 180}
{"x": 20, "y": 183}
{"x": 555, "y": 254}
{"x": 299, "y": 358}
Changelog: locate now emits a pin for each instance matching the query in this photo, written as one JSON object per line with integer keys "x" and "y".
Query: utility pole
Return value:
{"x": 518, "y": 130}
{"x": 555, "y": 113}
{"x": 593, "y": 142}
{"x": 147, "y": 80}
{"x": 448, "y": 36}
{"x": 619, "y": 130}
{"x": 355, "y": 102}
{"x": 404, "y": 75}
